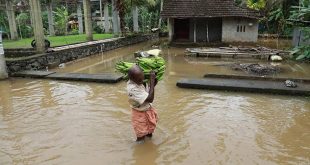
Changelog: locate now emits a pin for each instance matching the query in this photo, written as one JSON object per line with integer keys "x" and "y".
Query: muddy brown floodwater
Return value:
{"x": 44, "y": 122}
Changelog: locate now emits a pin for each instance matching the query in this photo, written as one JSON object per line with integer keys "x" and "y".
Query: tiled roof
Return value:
{"x": 204, "y": 8}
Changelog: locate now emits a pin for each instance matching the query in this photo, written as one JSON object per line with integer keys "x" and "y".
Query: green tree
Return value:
{"x": 61, "y": 19}
{"x": 256, "y": 4}
{"x": 299, "y": 16}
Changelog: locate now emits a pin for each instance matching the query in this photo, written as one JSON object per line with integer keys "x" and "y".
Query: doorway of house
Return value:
{"x": 214, "y": 28}
{"x": 181, "y": 29}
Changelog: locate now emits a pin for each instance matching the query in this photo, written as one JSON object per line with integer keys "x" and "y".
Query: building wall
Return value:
{"x": 299, "y": 38}
{"x": 191, "y": 30}
{"x": 171, "y": 28}
{"x": 230, "y": 27}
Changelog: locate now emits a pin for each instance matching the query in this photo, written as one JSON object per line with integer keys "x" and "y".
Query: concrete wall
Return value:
{"x": 230, "y": 34}
{"x": 37, "y": 62}
{"x": 299, "y": 38}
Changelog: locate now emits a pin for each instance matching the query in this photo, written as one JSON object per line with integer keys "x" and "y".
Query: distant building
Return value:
{"x": 210, "y": 21}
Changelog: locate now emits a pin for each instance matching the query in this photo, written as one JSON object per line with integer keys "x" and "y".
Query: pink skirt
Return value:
{"x": 144, "y": 122}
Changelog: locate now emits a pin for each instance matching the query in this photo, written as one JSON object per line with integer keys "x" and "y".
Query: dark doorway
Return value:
{"x": 181, "y": 29}
{"x": 209, "y": 30}
{"x": 215, "y": 29}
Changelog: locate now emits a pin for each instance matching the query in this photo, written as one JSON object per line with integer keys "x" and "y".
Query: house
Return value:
{"x": 210, "y": 21}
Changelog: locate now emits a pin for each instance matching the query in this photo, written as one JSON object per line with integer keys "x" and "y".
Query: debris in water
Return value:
{"x": 290, "y": 84}
{"x": 257, "y": 69}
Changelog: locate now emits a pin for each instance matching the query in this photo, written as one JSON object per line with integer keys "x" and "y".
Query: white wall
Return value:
{"x": 230, "y": 34}
{"x": 171, "y": 28}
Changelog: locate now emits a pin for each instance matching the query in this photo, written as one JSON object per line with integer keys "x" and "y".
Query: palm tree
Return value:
{"x": 36, "y": 17}
{"x": 106, "y": 17}
{"x": 49, "y": 7}
{"x": 12, "y": 20}
{"x": 87, "y": 18}
{"x": 80, "y": 18}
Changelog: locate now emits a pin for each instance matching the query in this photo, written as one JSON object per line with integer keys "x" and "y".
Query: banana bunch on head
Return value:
{"x": 148, "y": 64}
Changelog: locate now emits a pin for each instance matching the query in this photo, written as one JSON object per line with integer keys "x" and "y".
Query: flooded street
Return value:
{"x": 59, "y": 122}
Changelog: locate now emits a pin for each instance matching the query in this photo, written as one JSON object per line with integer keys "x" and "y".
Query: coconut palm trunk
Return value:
{"x": 135, "y": 15}
{"x": 120, "y": 6}
{"x": 80, "y": 18}
{"x": 87, "y": 18}
{"x": 161, "y": 9}
{"x": 50, "y": 17}
{"x": 12, "y": 21}
{"x": 115, "y": 17}
{"x": 106, "y": 18}
{"x": 37, "y": 25}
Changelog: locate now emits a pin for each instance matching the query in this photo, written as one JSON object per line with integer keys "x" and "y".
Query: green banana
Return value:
{"x": 146, "y": 64}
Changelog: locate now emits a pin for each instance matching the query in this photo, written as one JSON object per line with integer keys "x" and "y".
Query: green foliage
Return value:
{"x": 129, "y": 21}
{"x": 301, "y": 53}
{"x": 98, "y": 29}
{"x": 147, "y": 20}
{"x": 238, "y": 2}
{"x": 55, "y": 40}
{"x": 301, "y": 13}
{"x": 24, "y": 25}
{"x": 256, "y": 4}
{"x": 4, "y": 24}
{"x": 277, "y": 17}
{"x": 298, "y": 15}
{"x": 74, "y": 32}
{"x": 61, "y": 19}
{"x": 45, "y": 19}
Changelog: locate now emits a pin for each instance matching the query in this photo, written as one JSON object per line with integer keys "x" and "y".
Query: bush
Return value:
{"x": 74, "y": 32}
{"x": 98, "y": 29}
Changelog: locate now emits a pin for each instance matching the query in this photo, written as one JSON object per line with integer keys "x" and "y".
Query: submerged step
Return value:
{"x": 32, "y": 74}
{"x": 258, "y": 86}
{"x": 251, "y": 77}
{"x": 102, "y": 78}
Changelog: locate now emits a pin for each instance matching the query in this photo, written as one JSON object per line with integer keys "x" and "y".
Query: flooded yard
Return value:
{"x": 60, "y": 122}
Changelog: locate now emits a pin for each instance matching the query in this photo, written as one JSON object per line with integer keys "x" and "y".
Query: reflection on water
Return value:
{"x": 58, "y": 122}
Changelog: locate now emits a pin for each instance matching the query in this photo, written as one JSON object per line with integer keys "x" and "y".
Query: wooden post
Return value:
{"x": 208, "y": 32}
{"x": 195, "y": 28}
{"x": 106, "y": 18}
{"x": 37, "y": 25}
{"x": 80, "y": 18}
{"x": 87, "y": 18}
{"x": 11, "y": 17}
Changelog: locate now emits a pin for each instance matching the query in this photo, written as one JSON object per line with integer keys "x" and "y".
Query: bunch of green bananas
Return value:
{"x": 123, "y": 67}
{"x": 146, "y": 64}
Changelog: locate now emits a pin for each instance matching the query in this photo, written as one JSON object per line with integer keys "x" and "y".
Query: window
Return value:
{"x": 240, "y": 28}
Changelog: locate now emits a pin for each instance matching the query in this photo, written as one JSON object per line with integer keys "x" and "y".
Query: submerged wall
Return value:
{"x": 52, "y": 59}
{"x": 239, "y": 30}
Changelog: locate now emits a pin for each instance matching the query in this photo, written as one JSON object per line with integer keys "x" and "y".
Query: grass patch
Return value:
{"x": 55, "y": 41}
